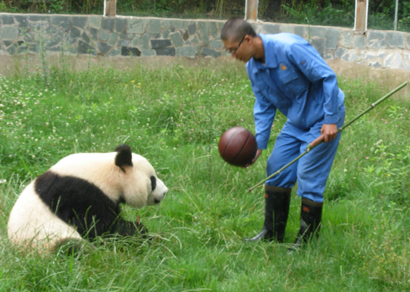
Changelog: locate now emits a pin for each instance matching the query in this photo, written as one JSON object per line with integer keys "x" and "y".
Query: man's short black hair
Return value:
{"x": 236, "y": 29}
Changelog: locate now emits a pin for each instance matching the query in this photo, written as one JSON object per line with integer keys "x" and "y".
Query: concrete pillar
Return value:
{"x": 110, "y": 7}
{"x": 251, "y": 9}
{"x": 360, "y": 20}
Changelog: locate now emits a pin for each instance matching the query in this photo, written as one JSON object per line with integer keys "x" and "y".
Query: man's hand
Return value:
{"x": 258, "y": 152}
{"x": 329, "y": 131}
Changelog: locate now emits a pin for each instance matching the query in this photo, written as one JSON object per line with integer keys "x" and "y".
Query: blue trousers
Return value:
{"x": 312, "y": 170}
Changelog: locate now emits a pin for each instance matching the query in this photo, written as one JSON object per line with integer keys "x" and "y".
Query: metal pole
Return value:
{"x": 396, "y": 14}
{"x": 319, "y": 140}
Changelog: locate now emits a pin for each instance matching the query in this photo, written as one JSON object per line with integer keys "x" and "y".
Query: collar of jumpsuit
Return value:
{"x": 270, "y": 59}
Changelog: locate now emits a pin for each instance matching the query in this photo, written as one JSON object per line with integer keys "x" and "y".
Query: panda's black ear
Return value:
{"x": 124, "y": 156}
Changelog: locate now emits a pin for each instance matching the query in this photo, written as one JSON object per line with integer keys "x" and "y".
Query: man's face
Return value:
{"x": 239, "y": 49}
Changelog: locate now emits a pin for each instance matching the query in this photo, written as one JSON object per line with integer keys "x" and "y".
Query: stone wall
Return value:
{"x": 149, "y": 37}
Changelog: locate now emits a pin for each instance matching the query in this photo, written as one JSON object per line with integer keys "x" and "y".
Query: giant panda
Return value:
{"x": 79, "y": 199}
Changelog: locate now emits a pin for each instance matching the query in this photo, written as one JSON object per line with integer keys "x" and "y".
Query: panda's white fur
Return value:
{"x": 33, "y": 223}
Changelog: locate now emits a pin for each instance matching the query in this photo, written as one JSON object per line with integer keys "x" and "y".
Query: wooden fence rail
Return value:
{"x": 251, "y": 12}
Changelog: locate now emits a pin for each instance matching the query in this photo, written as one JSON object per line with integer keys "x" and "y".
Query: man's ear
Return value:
{"x": 248, "y": 39}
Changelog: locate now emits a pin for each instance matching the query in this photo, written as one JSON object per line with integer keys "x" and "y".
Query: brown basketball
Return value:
{"x": 237, "y": 146}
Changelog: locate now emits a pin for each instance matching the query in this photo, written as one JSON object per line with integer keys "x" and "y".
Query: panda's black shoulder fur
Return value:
{"x": 79, "y": 203}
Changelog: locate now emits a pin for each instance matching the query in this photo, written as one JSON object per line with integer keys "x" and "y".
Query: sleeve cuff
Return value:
{"x": 331, "y": 119}
{"x": 262, "y": 143}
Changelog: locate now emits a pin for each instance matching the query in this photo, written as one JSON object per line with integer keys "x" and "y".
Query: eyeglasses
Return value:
{"x": 234, "y": 51}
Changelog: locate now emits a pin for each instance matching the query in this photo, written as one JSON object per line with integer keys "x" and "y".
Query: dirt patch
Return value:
{"x": 389, "y": 78}
{"x": 21, "y": 63}
{"x": 17, "y": 64}
{"x": 392, "y": 77}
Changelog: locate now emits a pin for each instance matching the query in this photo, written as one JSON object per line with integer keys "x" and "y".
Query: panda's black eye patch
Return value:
{"x": 153, "y": 182}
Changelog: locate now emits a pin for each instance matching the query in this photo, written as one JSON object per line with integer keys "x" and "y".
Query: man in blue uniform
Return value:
{"x": 289, "y": 75}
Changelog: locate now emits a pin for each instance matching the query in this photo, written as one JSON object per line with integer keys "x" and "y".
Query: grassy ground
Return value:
{"x": 174, "y": 115}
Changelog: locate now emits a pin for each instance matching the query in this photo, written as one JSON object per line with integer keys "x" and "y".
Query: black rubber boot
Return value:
{"x": 310, "y": 221}
{"x": 277, "y": 201}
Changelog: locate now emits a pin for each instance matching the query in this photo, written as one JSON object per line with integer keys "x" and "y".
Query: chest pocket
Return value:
{"x": 291, "y": 82}
{"x": 286, "y": 75}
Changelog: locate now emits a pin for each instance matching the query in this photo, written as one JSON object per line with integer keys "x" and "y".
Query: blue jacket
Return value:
{"x": 295, "y": 80}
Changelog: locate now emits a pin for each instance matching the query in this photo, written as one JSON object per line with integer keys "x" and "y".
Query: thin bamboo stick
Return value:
{"x": 319, "y": 140}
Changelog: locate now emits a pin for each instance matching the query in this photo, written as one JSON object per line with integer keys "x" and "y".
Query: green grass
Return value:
{"x": 174, "y": 115}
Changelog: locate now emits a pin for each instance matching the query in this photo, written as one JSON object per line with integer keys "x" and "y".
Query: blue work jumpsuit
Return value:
{"x": 296, "y": 81}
